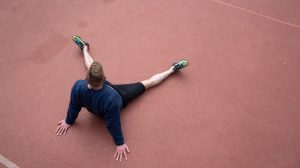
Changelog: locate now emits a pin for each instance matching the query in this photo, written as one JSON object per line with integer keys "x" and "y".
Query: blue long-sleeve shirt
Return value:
{"x": 106, "y": 103}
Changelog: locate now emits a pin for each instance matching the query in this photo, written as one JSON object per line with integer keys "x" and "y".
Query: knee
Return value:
{"x": 147, "y": 83}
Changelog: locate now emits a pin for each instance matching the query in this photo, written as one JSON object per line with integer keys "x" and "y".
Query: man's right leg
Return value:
{"x": 158, "y": 78}
{"x": 131, "y": 91}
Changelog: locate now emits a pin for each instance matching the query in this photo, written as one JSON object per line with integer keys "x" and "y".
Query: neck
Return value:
{"x": 95, "y": 88}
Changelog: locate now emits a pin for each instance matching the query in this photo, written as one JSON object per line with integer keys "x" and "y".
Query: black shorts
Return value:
{"x": 128, "y": 92}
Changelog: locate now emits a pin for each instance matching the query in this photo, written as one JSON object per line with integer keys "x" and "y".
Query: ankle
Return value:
{"x": 172, "y": 69}
{"x": 85, "y": 48}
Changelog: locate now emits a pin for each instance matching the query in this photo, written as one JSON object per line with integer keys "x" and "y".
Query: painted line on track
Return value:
{"x": 7, "y": 162}
{"x": 257, "y": 14}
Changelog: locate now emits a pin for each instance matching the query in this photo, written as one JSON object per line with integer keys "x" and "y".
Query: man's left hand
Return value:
{"x": 62, "y": 128}
{"x": 120, "y": 151}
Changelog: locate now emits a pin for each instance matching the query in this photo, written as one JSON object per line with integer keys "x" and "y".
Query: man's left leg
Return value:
{"x": 88, "y": 60}
{"x": 84, "y": 46}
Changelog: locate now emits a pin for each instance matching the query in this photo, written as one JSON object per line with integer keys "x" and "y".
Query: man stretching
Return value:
{"x": 106, "y": 100}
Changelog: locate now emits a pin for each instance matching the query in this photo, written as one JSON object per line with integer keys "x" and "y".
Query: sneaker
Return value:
{"x": 180, "y": 64}
{"x": 79, "y": 42}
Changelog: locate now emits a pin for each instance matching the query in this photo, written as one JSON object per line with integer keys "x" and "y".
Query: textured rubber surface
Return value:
{"x": 236, "y": 105}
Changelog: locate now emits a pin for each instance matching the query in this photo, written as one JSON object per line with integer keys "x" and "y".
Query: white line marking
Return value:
{"x": 7, "y": 162}
{"x": 257, "y": 14}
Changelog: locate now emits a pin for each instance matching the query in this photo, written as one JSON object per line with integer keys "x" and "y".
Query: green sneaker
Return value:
{"x": 80, "y": 42}
{"x": 180, "y": 64}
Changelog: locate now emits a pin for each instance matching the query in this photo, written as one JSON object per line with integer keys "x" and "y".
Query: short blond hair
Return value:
{"x": 95, "y": 75}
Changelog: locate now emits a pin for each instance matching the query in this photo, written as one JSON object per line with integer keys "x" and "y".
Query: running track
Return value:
{"x": 235, "y": 106}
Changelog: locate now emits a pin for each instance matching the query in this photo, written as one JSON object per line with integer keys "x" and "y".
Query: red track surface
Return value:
{"x": 236, "y": 105}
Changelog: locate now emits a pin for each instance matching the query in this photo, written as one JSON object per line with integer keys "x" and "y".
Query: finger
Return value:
{"x": 58, "y": 133}
{"x": 121, "y": 157}
{"x": 59, "y": 122}
{"x": 61, "y": 130}
{"x": 115, "y": 154}
{"x": 127, "y": 149}
{"x": 64, "y": 132}
{"x": 118, "y": 156}
{"x": 125, "y": 155}
{"x": 58, "y": 130}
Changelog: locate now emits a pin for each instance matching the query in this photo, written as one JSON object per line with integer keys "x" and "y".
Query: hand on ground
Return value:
{"x": 62, "y": 128}
{"x": 121, "y": 150}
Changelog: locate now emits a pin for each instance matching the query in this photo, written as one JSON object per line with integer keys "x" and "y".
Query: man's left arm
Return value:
{"x": 72, "y": 114}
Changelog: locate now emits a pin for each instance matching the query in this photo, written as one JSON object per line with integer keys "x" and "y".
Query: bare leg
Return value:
{"x": 157, "y": 79}
{"x": 88, "y": 60}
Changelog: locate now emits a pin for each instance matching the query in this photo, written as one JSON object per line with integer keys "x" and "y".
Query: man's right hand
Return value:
{"x": 62, "y": 128}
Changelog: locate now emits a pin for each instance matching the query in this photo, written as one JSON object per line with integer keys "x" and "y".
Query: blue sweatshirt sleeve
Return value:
{"x": 74, "y": 105}
{"x": 113, "y": 124}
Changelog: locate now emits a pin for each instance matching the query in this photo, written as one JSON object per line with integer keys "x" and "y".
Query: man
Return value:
{"x": 106, "y": 100}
